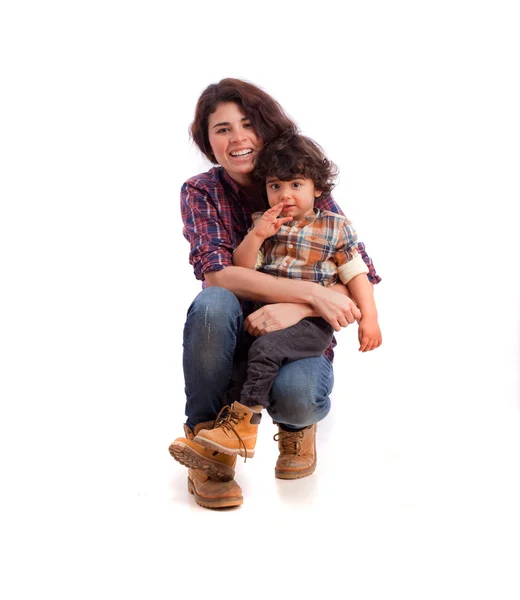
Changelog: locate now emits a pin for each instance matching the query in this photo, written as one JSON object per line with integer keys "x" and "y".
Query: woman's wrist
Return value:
{"x": 306, "y": 310}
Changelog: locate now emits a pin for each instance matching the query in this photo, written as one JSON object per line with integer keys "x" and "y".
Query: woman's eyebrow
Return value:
{"x": 228, "y": 123}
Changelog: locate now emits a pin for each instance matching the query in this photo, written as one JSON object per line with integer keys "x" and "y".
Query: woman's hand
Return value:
{"x": 336, "y": 308}
{"x": 273, "y": 317}
{"x": 369, "y": 334}
{"x": 269, "y": 223}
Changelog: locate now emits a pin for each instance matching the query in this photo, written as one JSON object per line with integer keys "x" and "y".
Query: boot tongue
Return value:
{"x": 292, "y": 441}
{"x": 201, "y": 426}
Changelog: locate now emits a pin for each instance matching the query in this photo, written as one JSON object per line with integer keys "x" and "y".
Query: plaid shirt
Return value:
{"x": 319, "y": 248}
{"x": 217, "y": 214}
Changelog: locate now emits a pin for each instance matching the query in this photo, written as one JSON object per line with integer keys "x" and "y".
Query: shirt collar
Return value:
{"x": 230, "y": 181}
{"x": 307, "y": 221}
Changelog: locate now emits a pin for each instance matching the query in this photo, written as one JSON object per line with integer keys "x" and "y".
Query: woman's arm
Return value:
{"x": 273, "y": 317}
{"x": 339, "y": 310}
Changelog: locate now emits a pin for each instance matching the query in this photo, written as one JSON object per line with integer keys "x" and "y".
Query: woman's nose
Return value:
{"x": 238, "y": 135}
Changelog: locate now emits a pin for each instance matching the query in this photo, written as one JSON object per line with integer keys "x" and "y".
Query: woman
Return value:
{"x": 233, "y": 120}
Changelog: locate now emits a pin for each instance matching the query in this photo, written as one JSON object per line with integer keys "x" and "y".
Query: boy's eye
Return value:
{"x": 296, "y": 184}
{"x": 275, "y": 186}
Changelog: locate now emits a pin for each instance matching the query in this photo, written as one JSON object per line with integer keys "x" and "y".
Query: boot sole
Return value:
{"x": 294, "y": 474}
{"x": 217, "y": 503}
{"x": 218, "y": 448}
{"x": 189, "y": 458}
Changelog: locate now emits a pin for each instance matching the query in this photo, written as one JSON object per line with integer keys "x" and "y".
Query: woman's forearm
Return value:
{"x": 248, "y": 284}
{"x": 338, "y": 309}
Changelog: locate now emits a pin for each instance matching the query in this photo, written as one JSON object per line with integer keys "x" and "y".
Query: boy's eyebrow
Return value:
{"x": 271, "y": 179}
{"x": 227, "y": 122}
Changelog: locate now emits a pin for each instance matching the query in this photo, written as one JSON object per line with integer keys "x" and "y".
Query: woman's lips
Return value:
{"x": 242, "y": 157}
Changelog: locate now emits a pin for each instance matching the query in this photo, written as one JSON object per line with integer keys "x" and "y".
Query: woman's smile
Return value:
{"x": 234, "y": 141}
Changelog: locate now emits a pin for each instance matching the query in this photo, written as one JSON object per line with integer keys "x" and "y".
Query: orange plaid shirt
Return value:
{"x": 321, "y": 248}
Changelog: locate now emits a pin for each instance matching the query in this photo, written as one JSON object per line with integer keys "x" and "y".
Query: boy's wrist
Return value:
{"x": 368, "y": 315}
{"x": 257, "y": 236}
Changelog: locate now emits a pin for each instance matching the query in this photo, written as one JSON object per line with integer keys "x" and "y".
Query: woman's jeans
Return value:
{"x": 212, "y": 337}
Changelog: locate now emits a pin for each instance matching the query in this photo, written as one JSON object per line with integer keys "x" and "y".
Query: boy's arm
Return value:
{"x": 369, "y": 333}
{"x": 362, "y": 292}
{"x": 352, "y": 270}
{"x": 246, "y": 254}
{"x": 266, "y": 225}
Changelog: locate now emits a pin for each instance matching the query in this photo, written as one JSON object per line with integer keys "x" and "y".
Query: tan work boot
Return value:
{"x": 213, "y": 493}
{"x": 297, "y": 453}
{"x": 235, "y": 433}
{"x": 193, "y": 455}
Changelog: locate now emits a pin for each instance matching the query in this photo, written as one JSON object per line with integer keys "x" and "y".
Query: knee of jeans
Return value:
{"x": 214, "y": 305}
{"x": 298, "y": 405}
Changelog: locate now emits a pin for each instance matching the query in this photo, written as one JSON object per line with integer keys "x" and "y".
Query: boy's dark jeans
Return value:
{"x": 268, "y": 353}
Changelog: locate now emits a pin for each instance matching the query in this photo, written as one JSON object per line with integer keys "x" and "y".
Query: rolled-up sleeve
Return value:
{"x": 210, "y": 246}
{"x": 328, "y": 203}
{"x": 347, "y": 258}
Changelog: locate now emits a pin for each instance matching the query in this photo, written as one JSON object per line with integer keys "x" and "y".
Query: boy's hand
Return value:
{"x": 269, "y": 223}
{"x": 369, "y": 334}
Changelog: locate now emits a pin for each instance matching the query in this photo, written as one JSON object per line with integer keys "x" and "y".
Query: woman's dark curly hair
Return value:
{"x": 266, "y": 115}
{"x": 295, "y": 154}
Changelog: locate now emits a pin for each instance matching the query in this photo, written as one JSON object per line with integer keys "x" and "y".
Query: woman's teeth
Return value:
{"x": 242, "y": 153}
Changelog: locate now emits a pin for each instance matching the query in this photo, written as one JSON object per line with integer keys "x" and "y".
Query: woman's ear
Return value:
{"x": 317, "y": 193}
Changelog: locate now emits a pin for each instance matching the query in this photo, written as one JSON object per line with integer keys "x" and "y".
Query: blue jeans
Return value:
{"x": 212, "y": 334}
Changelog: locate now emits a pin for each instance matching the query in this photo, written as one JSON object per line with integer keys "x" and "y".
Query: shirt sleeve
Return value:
{"x": 210, "y": 246}
{"x": 347, "y": 258}
{"x": 328, "y": 203}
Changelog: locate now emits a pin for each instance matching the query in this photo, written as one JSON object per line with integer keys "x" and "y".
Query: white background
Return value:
{"x": 417, "y": 491}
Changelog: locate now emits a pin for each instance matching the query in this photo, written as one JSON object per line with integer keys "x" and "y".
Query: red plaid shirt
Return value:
{"x": 217, "y": 214}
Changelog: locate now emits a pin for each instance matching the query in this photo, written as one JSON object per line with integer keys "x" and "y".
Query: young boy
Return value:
{"x": 293, "y": 239}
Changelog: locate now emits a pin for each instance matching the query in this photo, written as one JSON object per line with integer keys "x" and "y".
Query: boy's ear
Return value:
{"x": 317, "y": 193}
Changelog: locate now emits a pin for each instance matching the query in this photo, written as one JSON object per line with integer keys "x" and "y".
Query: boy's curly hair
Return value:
{"x": 295, "y": 154}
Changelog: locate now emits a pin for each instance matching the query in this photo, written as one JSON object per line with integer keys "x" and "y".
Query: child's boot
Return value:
{"x": 235, "y": 433}
{"x": 297, "y": 453}
{"x": 194, "y": 456}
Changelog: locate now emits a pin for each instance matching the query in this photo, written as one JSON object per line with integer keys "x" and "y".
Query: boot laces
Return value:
{"x": 228, "y": 421}
{"x": 291, "y": 441}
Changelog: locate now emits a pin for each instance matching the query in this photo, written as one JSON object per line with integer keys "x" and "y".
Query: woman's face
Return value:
{"x": 233, "y": 141}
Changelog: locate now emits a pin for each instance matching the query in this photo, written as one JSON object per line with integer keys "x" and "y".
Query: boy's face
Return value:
{"x": 298, "y": 196}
